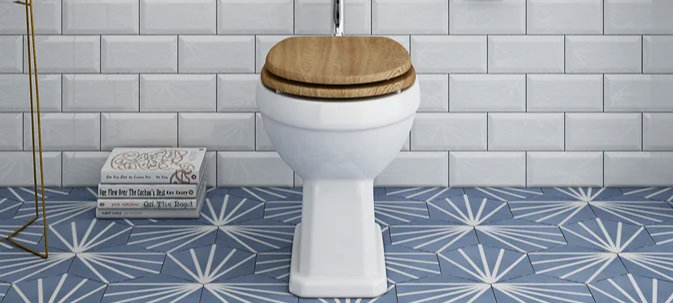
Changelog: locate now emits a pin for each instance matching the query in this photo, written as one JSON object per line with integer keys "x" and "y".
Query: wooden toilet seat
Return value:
{"x": 338, "y": 68}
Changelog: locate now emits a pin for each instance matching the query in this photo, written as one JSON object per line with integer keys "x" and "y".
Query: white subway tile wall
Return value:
{"x": 514, "y": 92}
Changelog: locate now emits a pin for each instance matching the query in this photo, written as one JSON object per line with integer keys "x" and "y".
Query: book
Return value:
{"x": 192, "y": 213}
{"x": 154, "y": 165}
{"x": 150, "y": 203}
{"x": 158, "y": 191}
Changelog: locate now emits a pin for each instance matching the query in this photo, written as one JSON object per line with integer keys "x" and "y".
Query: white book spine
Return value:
{"x": 147, "y": 203}
{"x": 158, "y": 191}
{"x": 145, "y": 213}
{"x": 154, "y": 177}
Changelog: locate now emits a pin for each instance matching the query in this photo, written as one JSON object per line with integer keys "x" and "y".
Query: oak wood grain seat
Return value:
{"x": 338, "y": 67}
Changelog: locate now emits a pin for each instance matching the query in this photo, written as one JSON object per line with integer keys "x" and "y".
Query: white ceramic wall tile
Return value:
{"x": 13, "y": 17}
{"x": 564, "y": 169}
{"x": 207, "y": 54}
{"x": 65, "y": 131}
{"x": 603, "y": 54}
{"x": 255, "y": 17}
{"x": 638, "y": 17}
{"x": 236, "y": 92}
{"x": 18, "y": 168}
{"x": 262, "y": 141}
{"x": 217, "y": 131}
{"x": 638, "y": 168}
{"x": 525, "y": 54}
{"x": 178, "y": 17}
{"x": 410, "y": 17}
{"x": 211, "y": 168}
{"x": 525, "y": 131}
{"x": 11, "y": 136}
{"x": 178, "y": 93}
{"x": 100, "y": 17}
{"x": 416, "y": 169}
{"x": 314, "y": 17}
{"x": 12, "y": 54}
{"x": 138, "y": 130}
{"x": 434, "y": 93}
{"x": 263, "y": 45}
{"x": 83, "y": 168}
{"x": 14, "y": 95}
{"x": 487, "y": 169}
{"x": 657, "y": 52}
{"x": 449, "y": 131}
{"x": 474, "y": 93}
{"x": 564, "y": 17}
{"x": 657, "y": 131}
{"x": 565, "y": 93}
{"x": 638, "y": 92}
{"x": 449, "y": 54}
{"x": 66, "y": 54}
{"x": 139, "y": 54}
{"x": 603, "y": 131}
{"x": 487, "y": 17}
{"x": 252, "y": 168}
{"x": 99, "y": 93}
{"x": 405, "y": 40}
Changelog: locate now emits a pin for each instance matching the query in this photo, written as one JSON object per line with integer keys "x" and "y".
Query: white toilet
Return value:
{"x": 338, "y": 124}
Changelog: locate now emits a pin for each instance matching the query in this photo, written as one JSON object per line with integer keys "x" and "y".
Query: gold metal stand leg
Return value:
{"x": 34, "y": 115}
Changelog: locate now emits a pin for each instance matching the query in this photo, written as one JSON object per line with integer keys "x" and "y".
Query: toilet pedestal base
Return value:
{"x": 367, "y": 286}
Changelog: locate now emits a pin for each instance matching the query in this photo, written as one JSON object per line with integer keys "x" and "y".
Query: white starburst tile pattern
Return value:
{"x": 424, "y": 193}
{"x": 577, "y": 264}
{"x": 468, "y": 210}
{"x": 655, "y": 261}
{"x": 30, "y": 236}
{"x": 59, "y": 211}
{"x": 390, "y": 296}
{"x": 28, "y": 193}
{"x": 609, "y": 236}
{"x": 8, "y": 208}
{"x": 157, "y": 289}
{"x": 433, "y": 236}
{"x": 4, "y": 287}
{"x": 17, "y": 266}
{"x": 485, "y": 264}
{"x": 504, "y": 193}
{"x": 555, "y": 212}
{"x": 268, "y": 193}
{"x": 116, "y": 264}
{"x": 541, "y": 289}
{"x": 209, "y": 264}
{"x": 173, "y": 235}
{"x": 440, "y": 289}
{"x": 63, "y": 288}
{"x": 520, "y": 236}
{"x": 248, "y": 289}
{"x": 227, "y": 209}
{"x": 654, "y": 193}
{"x": 632, "y": 289}
{"x": 256, "y": 236}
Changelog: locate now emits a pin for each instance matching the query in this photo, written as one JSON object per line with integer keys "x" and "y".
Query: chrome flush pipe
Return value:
{"x": 338, "y": 18}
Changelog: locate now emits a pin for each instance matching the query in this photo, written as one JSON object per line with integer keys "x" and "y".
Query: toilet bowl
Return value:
{"x": 337, "y": 135}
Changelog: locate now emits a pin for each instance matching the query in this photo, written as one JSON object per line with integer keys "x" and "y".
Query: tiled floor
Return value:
{"x": 442, "y": 245}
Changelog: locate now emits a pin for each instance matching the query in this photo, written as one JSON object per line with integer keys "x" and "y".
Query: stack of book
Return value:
{"x": 152, "y": 183}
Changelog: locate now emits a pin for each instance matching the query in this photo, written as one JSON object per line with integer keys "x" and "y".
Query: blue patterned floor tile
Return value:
{"x": 209, "y": 264}
{"x": 28, "y": 194}
{"x": 385, "y": 233}
{"x": 433, "y": 236}
{"x": 536, "y": 288}
{"x": 268, "y": 193}
{"x": 661, "y": 233}
{"x": 216, "y": 191}
{"x": 117, "y": 264}
{"x": 521, "y": 236}
{"x": 59, "y": 211}
{"x": 4, "y": 288}
{"x": 585, "y": 194}
{"x": 404, "y": 264}
{"x": 30, "y": 236}
{"x": 577, "y": 264}
{"x": 82, "y": 235}
{"x": 389, "y": 297}
{"x": 17, "y": 265}
{"x": 469, "y": 210}
{"x": 173, "y": 235}
{"x": 8, "y": 208}
{"x": 256, "y": 236}
{"x": 288, "y": 212}
{"x": 83, "y": 194}
{"x": 485, "y": 264}
{"x": 442, "y": 289}
{"x": 654, "y": 261}
{"x": 400, "y": 212}
{"x": 608, "y": 236}
{"x": 652, "y": 193}
{"x": 554, "y": 212}
{"x": 228, "y": 209}
{"x": 248, "y": 289}
{"x": 633, "y": 210}
{"x": 504, "y": 194}
{"x": 155, "y": 289}
{"x": 632, "y": 289}
{"x": 62, "y": 288}
{"x": 274, "y": 264}
{"x": 424, "y": 193}
{"x": 136, "y": 222}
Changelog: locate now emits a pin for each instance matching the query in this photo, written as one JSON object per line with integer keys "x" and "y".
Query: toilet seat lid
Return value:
{"x": 338, "y": 60}
{"x": 335, "y": 93}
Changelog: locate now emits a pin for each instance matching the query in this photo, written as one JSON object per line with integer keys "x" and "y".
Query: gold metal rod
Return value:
{"x": 22, "y": 228}
{"x": 26, "y": 248}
